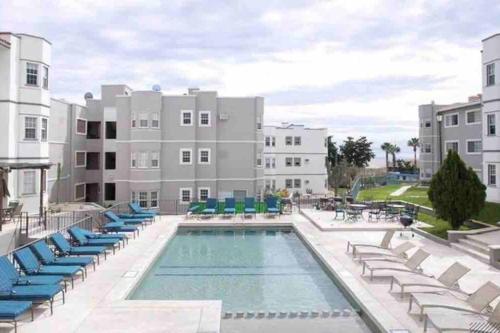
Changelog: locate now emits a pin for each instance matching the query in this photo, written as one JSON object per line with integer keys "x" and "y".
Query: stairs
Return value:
{"x": 474, "y": 248}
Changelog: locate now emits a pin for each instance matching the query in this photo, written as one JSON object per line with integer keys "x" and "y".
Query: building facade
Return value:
{"x": 491, "y": 116}
{"x": 295, "y": 158}
{"x": 455, "y": 127}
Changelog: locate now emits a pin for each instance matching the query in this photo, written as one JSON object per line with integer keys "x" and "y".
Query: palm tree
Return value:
{"x": 385, "y": 147}
{"x": 414, "y": 143}
{"x": 393, "y": 150}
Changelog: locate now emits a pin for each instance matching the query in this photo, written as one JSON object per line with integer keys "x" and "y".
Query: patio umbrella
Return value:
{"x": 4, "y": 190}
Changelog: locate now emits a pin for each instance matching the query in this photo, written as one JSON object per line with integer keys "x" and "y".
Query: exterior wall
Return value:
{"x": 312, "y": 152}
{"x": 491, "y": 106}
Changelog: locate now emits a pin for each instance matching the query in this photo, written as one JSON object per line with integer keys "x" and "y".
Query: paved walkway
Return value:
{"x": 400, "y": 191}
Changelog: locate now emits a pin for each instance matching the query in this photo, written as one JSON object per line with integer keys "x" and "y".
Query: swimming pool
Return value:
{"x": 248, "y": 269}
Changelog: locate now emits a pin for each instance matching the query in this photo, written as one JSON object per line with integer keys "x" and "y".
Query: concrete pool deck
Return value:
{"x": 99, "y": 305}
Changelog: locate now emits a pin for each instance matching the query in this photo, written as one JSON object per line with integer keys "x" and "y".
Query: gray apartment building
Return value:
{"x": 455, "y": 127}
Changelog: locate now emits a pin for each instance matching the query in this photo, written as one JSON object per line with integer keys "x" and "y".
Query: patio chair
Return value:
{"x": 118, "y": 227}
{"x": 136, "y": 212}
{"x": 210, "y": 207}
{"x": 353, "y": 215}
{"x": 391, "y": 214}
{"x": 137, "y": 209}
{"x": 397, "y": 254}
{"x": 10, "y": 271}
{"x": 374, "y": 213}
{"x": 451, "y": 320}
{"x": 250, "y": 207}
{"x": 10, "y": 311}
{"x": 35, "y": 293}
{"x": 272, "y": 206}
{"x": 339, "y": 209}
{"x": 447, "y": 280}
{"x": 30, "y": 266}
{"x": 81, "y": 240}
{"x": 474, "y": 303}
{"x": 64, "y": 248}
{"x": 93, "y": 235}
{"x": 194, "y": 208}
{"x": 410, "y": 265}
{"x": 230, "y": 206}
{"x": 384, "y": 243}
{"x": 129, "y": 221}
{"x": 47, "y": 257}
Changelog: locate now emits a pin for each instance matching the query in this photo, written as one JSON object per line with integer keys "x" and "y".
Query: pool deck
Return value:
{"x": 99, "y": 305}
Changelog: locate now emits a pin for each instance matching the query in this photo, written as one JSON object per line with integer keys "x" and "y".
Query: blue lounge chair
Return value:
{"x": 47, "y": 257}
{"x": 93, "y": 235}
{"x": 30, "y": 266}
{"x": 137, "y": 209}
{"x": 114, "y": 218}
{"x": 81, "y": 240}
{"x": 64, "y": 248}
{"x": 272, "y": 206}
{"x": 9, "y": 270}
{"x": 211, "y": 207}
{"x": 116, "y": 227}
{"x": 230, "y": 206}
{"x": 250, "y": 207}
{"x": 10, "y": 311}
{"x": 37, "y": 294}
{"x": 194, "y": 208}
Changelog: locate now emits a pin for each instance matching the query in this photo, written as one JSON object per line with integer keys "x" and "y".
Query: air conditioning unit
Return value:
{"x": 223, "y": 116}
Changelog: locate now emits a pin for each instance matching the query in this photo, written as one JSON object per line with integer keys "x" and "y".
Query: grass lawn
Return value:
{"x": 377, "y": 193}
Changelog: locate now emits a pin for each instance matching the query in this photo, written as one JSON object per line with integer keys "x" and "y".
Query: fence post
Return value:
{"x": 27, "y": 221}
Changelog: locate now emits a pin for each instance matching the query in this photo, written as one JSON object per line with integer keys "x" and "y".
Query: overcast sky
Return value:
{"x": 357, "y": 67}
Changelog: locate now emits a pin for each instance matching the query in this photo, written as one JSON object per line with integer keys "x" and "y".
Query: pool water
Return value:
{"x": 249, "y": 270}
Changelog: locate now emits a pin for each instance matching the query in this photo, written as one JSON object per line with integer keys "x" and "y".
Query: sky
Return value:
{"x": 356, "y": 67}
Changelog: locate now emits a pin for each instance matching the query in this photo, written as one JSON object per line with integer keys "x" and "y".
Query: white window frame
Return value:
{"x": 146, "y": 199}
{"x": 449, "y": 116}
{"x": 424, "y": 150}
{"x": 451, "y": 141}
{"x": 133, "y": 120}
{"x": 36, "y": 68}
{"x": 295, "y": 183}
{"x": 182, "y": 117}
{"x": 133, "y": 159}
{"x": 291, "y": 183}
{"x": 493, "y": 116}
{"x": 154, "y": 154}
{"x": 200, "y": 150}
{"x": 267, "y": 141}
{"x": 84, "y": 191}
{"x": 42, "y": 129}
{"x": 45, "y": 77}
{"x": 258, "y": 124}
{"x": 182, "y": 150}
{"x": 267, "y": 163}
{"x": 295, "y": 159}
{"x": 35, "y": 128}
{"x": 182, "y": 189}
{"x": 143, "y": 116}
{"x": 490, "y": 174}
{"x": 151, "y": 199}
{"x": 209, "y": 119}
{"x": 140, "y": 159}
{"x": 76, "y": 126}
{"x": 273, "y": 141}
{"x": 32, "y": 172}
{"x": 76, "y": 159}
{"x": 492, "y": 74}
{"x": 273, "y": 163}
{"x": 478, "y": 121}
{"x": 286, "y": 162}
{"x": 295, "y": 141}
{"x": 258, "y": 161}
{"x": 203, "y": 189}
{"x": 155, "y": 116}
{"x": 467, "y": 147}
{"x": 286, "y": 141}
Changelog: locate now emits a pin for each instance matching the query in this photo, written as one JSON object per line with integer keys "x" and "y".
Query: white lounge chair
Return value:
{"x": 451, "y": 320}
{"x": 474, "y": 303}
{"x": 384, "y": 244}
{"x": 396, "y": 254}
{"x": 411, "y": 265}
{"x": 447, "y": 280}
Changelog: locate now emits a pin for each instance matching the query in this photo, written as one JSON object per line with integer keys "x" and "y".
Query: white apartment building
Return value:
{"x": 295, "y": 158}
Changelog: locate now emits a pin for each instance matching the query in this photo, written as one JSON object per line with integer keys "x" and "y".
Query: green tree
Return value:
{"x": 357, "y": 152}
{"x": 414, "y": 143}
{"x": 393, "y": 150}
{"x": 333, "y": 152}
{"x": 456, "y": 192}
{"x": 385, "y": 147}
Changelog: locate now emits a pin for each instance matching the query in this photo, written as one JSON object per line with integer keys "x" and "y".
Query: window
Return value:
{"x": 153, "y": 200}
{"x": 273, "y": 141}
{"x": 491, "y": 126}
{"x": 451, "y": 145}
{"x": 451, "y": 120}
{"x": 474, "y": 146}
{"x": 185, "y": 156}
{"x": 92, "y": 161}
{"x": 31, "y": 74}
{"x": 268, "y": 141}
{"x": 268, "y": 163}
{"x": 490, "y": 74}
{"x": 203, "y": 193}
{"x": 259, "y": 123}
{"x": 109, "y": 191}
{"x": 45, "y": 80}
{"x": 273, "y": 186}
{"x": 29, "y": 182}
{"x": 155, "y": 120}
{"x": 111, "y": 130}
{"x": 297, "y": 161}
{"x": 473, "y": 117}
{"x": 143, "y": 120}
{"x": 288, "y": 161}
{"x": 110, "y": 161}
{"x": 143, "y": 199}
{"x": 492, "y": 174}
{"x": 296, "y": 183}
{"x": 185, "y": 195}
{"x": 288, "y": 140}
{"x": 427, "y": 124}
{"x": 80, "y": 191}
{"x": 297, "y": 140}
{"x": 30, "y": 128}
{"x": 133, "y": 120}
{"x": 259, "y": 160}
{"x": 45, "y": 127}
{"x": 273, "y": 163}
{"x": 204, "y": 156}
{"x": 426, "y": 148}
{"x": 288, "y": 183}
{"x": 93, "y": 129}
{"x": 133, "y": 160}
{"x": 155, "y": 159}
{"x": 186, "y": 118}
{"x": 204, "y": 120}
{"x": 143, "y": 160}
{"x": 80, "y": 159}
{"x": 81, "y": 126}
